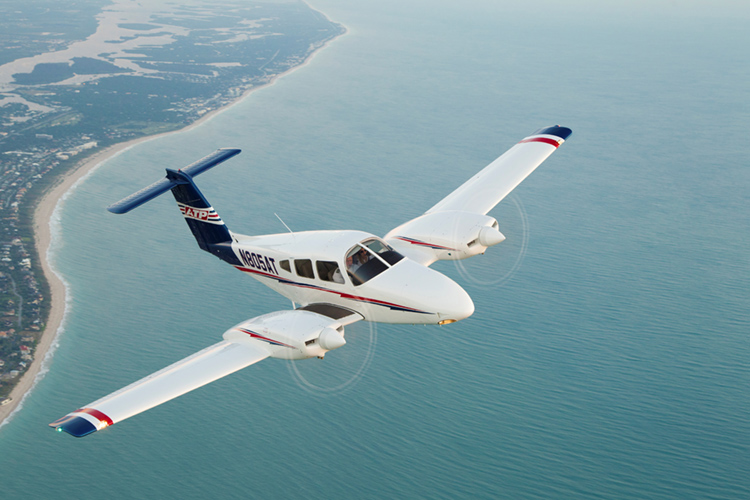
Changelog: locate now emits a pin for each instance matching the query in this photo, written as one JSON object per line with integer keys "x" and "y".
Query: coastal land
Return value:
{"x": 49, "y": 167}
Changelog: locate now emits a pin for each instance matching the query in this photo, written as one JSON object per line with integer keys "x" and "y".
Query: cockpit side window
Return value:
{"x": 304, "y": 268}
{"x": 329, "y": 271}
{"x": 362, "y": 265}
{"x": 381, "y": 248}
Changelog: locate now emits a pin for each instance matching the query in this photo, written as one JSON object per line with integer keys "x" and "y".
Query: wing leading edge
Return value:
{"x": 487, "y": 188}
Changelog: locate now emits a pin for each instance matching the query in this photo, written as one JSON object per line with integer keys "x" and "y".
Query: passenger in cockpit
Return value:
{"x": 336, "y": 276}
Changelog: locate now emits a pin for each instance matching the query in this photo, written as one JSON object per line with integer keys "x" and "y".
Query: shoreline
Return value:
{"x": 46, "y": 207}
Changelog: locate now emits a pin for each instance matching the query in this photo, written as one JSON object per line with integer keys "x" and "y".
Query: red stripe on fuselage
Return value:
{"x": 343, "y": 295}
{"x": 254, "y": 271}
{"x": 545, "y": 140}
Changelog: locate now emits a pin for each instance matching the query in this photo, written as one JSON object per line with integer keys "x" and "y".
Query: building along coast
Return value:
{"x": 59, "y": 115}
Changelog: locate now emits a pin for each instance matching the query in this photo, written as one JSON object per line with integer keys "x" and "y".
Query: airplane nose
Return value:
{"x": 457, "y": 306}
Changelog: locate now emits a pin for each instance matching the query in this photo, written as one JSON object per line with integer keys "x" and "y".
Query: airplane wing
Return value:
{"x": 298, "y": 334}
{"x": 203, "y": 367}
{"x": 486, "y": 189}
{"x": 452, "y": 229}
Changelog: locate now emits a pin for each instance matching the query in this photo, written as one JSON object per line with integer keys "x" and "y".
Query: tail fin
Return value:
{"x": 209, "y": 230}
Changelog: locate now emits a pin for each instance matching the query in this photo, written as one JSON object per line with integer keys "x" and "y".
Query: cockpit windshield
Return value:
{"x": 387, "y": 253}
{"x": 368, "y": 259}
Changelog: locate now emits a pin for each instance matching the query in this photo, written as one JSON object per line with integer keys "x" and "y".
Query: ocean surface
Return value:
{"x": 608, "y": 356}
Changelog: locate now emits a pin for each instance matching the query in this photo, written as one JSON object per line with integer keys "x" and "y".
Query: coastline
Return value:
{"x": 48, "y": 205}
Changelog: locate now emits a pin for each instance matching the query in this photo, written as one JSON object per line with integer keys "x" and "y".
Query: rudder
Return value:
{"x": 209, "y": 230}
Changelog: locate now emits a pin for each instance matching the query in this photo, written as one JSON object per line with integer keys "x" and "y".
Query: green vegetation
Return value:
{"x": 47, "y": 128}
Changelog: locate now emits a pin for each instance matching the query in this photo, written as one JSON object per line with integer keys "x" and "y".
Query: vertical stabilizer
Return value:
{"x": 209, "y": 230}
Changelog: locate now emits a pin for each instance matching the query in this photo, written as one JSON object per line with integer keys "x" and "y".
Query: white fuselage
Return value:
{"x": 301, "y": 266}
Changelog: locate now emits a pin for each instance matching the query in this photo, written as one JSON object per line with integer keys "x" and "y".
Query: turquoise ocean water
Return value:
{"x": 608, "y": 355}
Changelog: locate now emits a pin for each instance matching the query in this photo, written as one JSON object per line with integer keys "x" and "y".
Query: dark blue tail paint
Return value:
{"x": 209, "y": 230}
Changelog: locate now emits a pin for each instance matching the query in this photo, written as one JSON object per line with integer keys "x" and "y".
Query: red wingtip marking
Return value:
{"x": 545, "y": 140}
{"x": 97, "y": 414}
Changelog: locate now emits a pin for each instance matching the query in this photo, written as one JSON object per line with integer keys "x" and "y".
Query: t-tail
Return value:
{"x": 209, "y": 230}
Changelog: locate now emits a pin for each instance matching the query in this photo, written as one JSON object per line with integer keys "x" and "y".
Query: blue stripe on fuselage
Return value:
{"x": 343, "y": 295}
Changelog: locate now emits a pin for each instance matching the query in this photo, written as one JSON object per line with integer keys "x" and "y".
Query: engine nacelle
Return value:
{"x": 450, "y": 235}
{"x": 296, "y": 334}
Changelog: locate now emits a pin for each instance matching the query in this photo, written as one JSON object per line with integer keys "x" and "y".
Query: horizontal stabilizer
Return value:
{"x": 162, "y": 186}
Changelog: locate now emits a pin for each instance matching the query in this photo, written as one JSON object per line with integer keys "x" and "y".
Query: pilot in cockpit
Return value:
{"x": 357, "y": 260}
{"x": 362, "y": 265}
{"x": 363, "y": 256}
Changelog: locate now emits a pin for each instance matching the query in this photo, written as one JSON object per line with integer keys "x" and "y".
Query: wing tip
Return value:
{"x": 82, "y": 422}
{"x": 73, "y": 425}
{"x": 556, "y": 130}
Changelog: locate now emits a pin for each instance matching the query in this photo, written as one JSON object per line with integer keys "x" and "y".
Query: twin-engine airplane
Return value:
{"x": 337, "y": 277}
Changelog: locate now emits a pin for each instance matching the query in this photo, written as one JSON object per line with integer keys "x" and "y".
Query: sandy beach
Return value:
{"x": 43, "y": 237}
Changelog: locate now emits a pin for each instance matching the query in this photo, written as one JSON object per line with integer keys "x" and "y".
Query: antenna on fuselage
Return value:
{"x": 277, "y": 216}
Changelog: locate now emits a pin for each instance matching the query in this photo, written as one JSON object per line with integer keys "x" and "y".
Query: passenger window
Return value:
{"x": 329, "y": 271}
{"x": 304, "y": 268}
{"x": 285, "y": 266}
